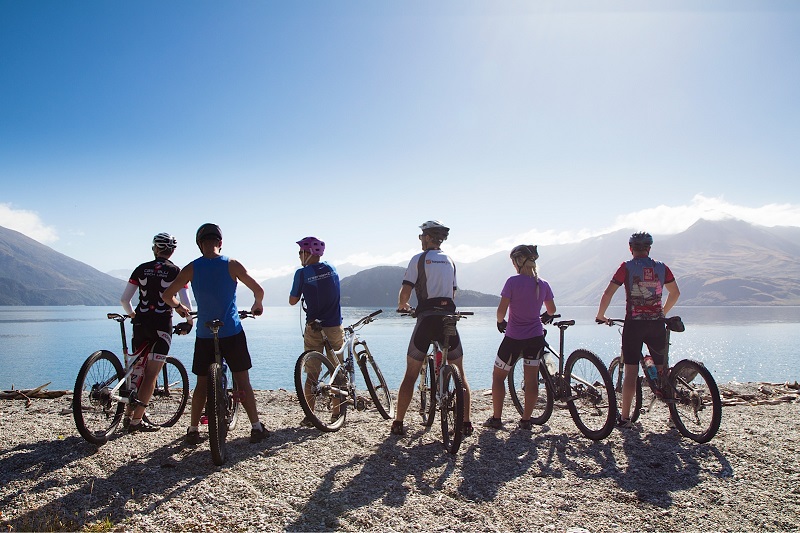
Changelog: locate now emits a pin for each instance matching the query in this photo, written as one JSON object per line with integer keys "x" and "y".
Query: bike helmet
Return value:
{"x": 435, "y": 229}
{"x": 523, "y": 253}
{"x": 312, "y": 245}
{"x": 207, "y": 231}
{"x": 641, "y": 240}
{"x": 165, "y": 241}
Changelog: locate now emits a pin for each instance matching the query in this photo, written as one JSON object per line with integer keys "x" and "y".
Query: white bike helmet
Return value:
{"x": 165, "y": 241}
{"x": 435, "y": 229}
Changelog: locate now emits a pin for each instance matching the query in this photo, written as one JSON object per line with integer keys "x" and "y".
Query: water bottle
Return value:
{"x": 651, "y": 370}
{"x": 438, "y": 361}
{"x": 224, "y": 376}
{"x": 550, "y": 362}
{"x": 138, "y": 373}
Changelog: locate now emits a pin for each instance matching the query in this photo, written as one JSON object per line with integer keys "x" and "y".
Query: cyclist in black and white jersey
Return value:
{"x": 431, "y": 274}
{"x": 152, "y": 320}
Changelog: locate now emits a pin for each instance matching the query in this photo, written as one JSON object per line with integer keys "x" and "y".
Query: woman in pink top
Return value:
{"x": 522, "y": 298}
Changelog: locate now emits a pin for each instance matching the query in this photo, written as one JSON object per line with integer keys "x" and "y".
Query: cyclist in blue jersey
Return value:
{"x": 431, "y": 274}
{"x": 522, "y": 298}
{"x": 214, "y": 278}
{"x": 152, "y": 322}
{"x": 644, "y": 280}
{"x": 317, "y": 283}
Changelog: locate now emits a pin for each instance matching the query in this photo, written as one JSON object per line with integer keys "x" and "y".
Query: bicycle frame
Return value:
{"x": 346, "y": 363}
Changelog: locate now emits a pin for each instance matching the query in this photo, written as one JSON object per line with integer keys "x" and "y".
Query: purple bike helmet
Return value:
{"x": 312, "y": 245}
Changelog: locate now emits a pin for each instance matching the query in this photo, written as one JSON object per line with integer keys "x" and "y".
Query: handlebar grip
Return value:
{"x": 376, "y": 313}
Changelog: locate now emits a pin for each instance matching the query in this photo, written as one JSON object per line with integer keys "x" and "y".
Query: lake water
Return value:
{"x": 41, "y": 344}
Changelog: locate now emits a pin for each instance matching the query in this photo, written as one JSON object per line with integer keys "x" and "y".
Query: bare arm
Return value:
{"x": 293, "y": 299}
{"x": 238, "y": 272}
{"x": 605, "y": 301}
{"x": 169, "y": 295}
{"x": 550, "y": 305}
{"x": 404, "y": 297}
{"x": 502, "y": 309}
{"x": 672, "y": 297}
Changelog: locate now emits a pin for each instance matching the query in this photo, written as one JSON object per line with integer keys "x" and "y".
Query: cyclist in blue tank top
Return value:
{"x": 644, "y": 279}
{"x": 214, "y": 278}
{"x": 317, "y": 283}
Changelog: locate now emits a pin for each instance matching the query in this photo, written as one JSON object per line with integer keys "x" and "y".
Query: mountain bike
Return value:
{"x": 104, "y": 388}
{"x": 440, "y": 386}
{"x": 688, "y": 389}
{"x": 223, "y": 397}
{"x": 582, "y": 382}
{"x": 326, "y": 390}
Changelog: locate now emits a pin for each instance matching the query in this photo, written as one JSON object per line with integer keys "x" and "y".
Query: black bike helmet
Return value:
{"x": 207, "y": 231}
{"x": 165, "y": 241}
{"x": 524, "y": 253}
{"x": 435, "y": 229}
{"x": 641, "y": 240}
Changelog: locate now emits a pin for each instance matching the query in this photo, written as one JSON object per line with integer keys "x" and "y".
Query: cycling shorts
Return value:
{"x": 233, "y": 349}
{"x": 637, "y": 333}
{"x": 157, "y": 333}
{"x": 429, "y": 329}
{"x": 510, "y": 351}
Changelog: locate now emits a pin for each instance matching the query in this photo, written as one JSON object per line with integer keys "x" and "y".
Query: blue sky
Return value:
{"x": 354, "y": 121}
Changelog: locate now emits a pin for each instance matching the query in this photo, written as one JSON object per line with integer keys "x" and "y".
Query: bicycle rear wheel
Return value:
{"x": 322, "y": 391}
{"x": 695, "y": 406}
{"x": 452, "y": 403}
{"x": 170, "y": 394}
{"x": 217, "y": 412}
{"x": 96, "y": 414}
{"x": 516, "y": 389}
{"x": 427, "y": 391}
{"x": 376, "y": 384}
{"x": 617, "y": 372}
{"x": 592, "y": 402}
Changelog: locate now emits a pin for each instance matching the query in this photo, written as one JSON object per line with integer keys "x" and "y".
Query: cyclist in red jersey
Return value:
{"x": 644, "y": 280}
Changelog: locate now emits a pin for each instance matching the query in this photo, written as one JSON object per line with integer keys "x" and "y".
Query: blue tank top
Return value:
{"x": 215, "y": 293}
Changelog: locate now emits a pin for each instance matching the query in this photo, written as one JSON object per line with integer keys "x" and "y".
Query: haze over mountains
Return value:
{"x": 726, "y": 262}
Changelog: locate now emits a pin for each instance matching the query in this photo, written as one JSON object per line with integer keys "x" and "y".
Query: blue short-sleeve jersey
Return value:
{"x": 318, "y": 283}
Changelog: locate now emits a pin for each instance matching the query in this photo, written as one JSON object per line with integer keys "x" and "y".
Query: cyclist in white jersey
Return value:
{"x": 432, "y": 275}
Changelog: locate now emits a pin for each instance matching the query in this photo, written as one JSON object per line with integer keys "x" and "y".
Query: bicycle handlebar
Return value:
{"x": 457, "y": 314}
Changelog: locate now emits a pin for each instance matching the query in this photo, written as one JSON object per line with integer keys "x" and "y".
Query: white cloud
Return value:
{"x": 28, "y": 223}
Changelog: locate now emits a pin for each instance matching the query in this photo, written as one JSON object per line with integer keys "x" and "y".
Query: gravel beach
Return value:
{"x": 646, "y": 478}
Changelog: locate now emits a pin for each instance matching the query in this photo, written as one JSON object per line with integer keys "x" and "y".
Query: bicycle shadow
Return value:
{"x": 382, "y": 475}
{"x": 659, "y": 464}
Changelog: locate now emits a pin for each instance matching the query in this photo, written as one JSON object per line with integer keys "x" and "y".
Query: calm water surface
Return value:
{"x": 41, "y": 344}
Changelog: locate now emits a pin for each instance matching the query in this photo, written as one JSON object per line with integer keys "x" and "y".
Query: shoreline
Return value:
{"x": 361, "y": 478}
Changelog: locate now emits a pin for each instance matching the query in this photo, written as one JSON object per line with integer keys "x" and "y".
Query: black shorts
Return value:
{"x": 429, "y": 329}
{"x": 637, "y": 333}
{"x": 233, "y": 349}
{"x": 511, "y": 349}
{"x": 157, "y": 332}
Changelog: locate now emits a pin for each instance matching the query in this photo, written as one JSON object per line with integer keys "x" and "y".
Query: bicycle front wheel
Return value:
{"x": 217, "y": 412}
{"x": 543, "y": 408}
{"x": 592, "y": 402}
{"x": 376, "y": 385}
{"x": 322, "y": 391}
{"x": 427, "y": 391}
{"x": 96, "y": 414}
{"x": 695, "y": 406}
{"x": 170, "y": 394}
{"x": 452, "y": 404}
{"x": 617, "y": 372}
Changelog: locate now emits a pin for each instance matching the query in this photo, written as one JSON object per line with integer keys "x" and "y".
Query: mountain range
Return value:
{"x": 726, "y": 262}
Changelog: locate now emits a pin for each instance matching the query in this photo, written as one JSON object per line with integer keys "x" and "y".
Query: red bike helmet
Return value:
{"x": 312, "y": 245}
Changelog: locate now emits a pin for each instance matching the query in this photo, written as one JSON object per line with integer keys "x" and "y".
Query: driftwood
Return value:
{"x": 768, "y": 394}
{"x": 29, "y": 394}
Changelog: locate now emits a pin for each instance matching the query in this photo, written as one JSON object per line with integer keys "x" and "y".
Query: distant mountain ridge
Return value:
{"x": 716, "y": 263}
{"x": 33, "y": 274}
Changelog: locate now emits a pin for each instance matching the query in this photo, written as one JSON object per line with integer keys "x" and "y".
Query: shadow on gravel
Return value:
{"x": 496, "y": 461}
{"x": 158, "y": 477}
{"x": 658, "y": 464}
{"x": 382, "y": 471}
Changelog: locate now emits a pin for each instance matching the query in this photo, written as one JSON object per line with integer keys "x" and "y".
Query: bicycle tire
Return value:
{"x": 427, "y": 391}
{"x": 233, "y": 402}
{"x": 617, "y": 373}
{"x": 170, "y": 395}
{"x": 544, "y": 400}
{"x": 96, "y": 414}
{"x": 591, "y": 402}
{"x": 692, "y": 391}
{"x": 376, "y": 384}
{"x": 217, "y": 412}
{"x": 452, "y": 405}
{"x": 316, "y": 387}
